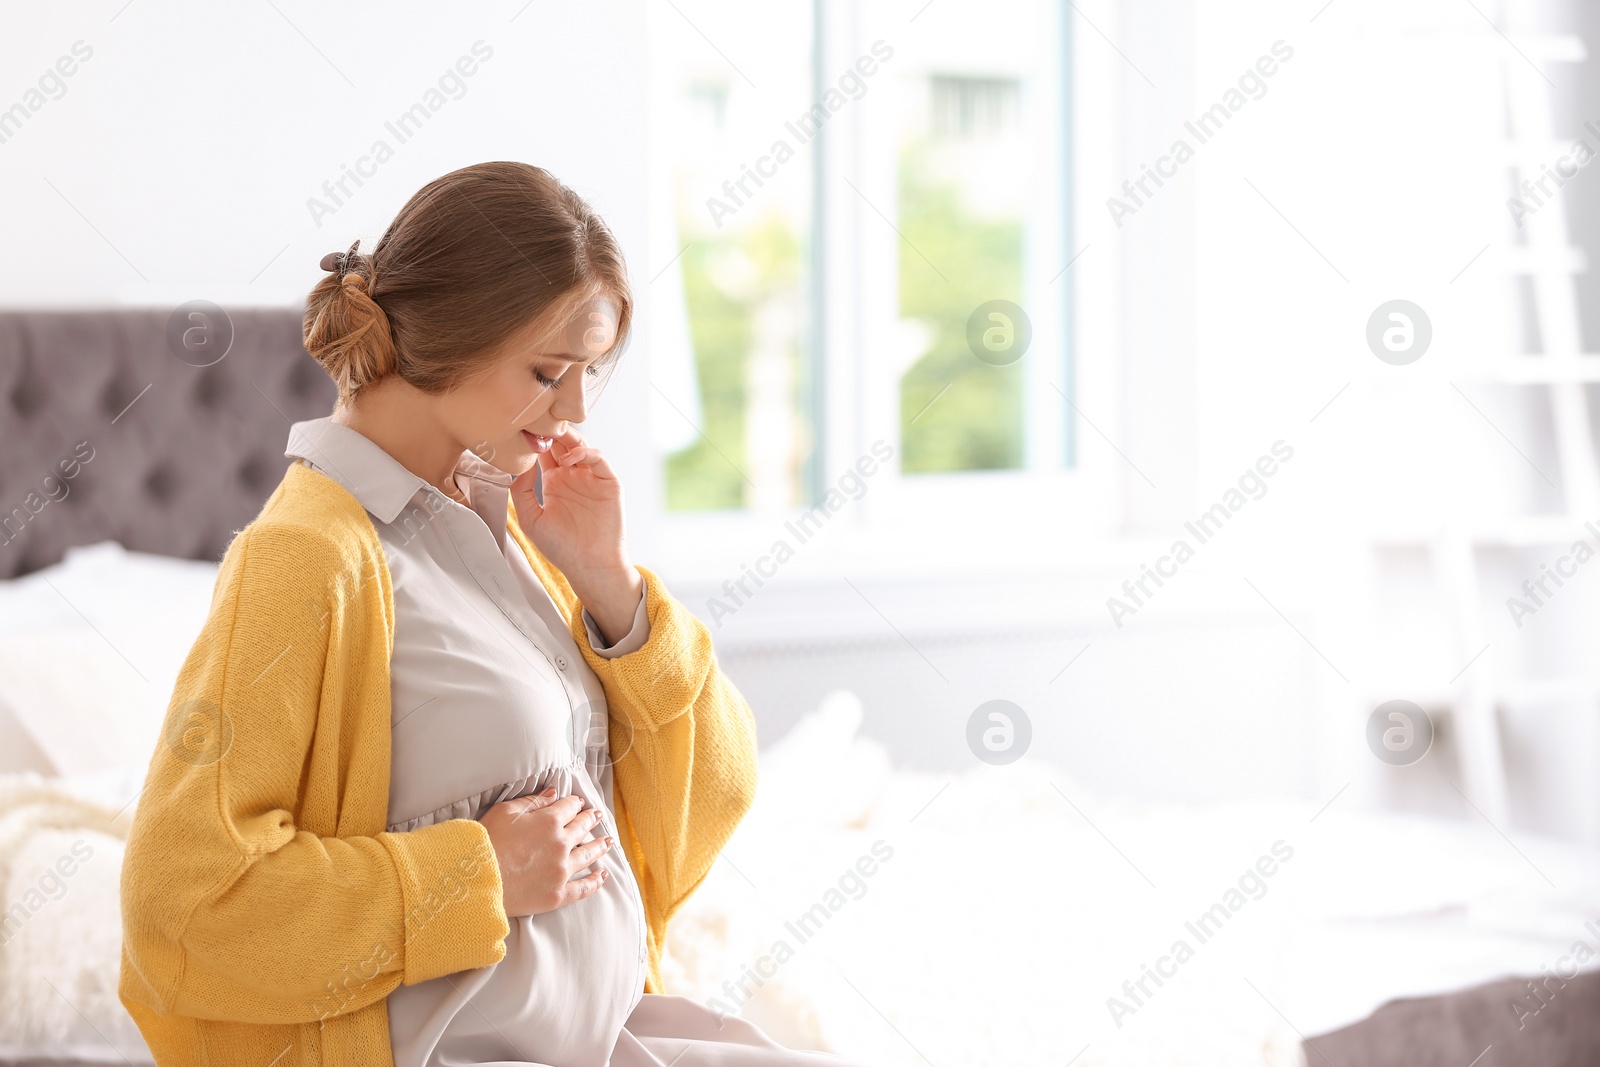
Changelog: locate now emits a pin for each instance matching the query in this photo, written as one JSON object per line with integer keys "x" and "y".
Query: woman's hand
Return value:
{"x": 579, "y": 529}
{"x": 538, "y": 842}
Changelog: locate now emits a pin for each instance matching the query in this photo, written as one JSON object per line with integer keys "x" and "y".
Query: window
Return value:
{"x": 864, "y": 195}
{"x": 741, "y": 208}
{"x": 961, "y": 203}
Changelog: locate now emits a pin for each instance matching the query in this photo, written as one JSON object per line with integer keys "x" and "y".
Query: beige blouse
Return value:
{"x": 492, "y": 700}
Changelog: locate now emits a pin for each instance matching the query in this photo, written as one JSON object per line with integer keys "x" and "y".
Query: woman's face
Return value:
{"x": 533, "y": 391}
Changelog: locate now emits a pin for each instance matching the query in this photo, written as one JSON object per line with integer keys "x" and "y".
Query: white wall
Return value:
{"x": 195, "y": 135}
{"x": 178, "y": 162}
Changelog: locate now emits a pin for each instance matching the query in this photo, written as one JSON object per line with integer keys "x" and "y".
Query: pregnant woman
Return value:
{"x": 443, "y": 761}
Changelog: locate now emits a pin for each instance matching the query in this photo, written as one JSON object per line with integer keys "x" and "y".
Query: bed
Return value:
{"x": 1006, "y": 915}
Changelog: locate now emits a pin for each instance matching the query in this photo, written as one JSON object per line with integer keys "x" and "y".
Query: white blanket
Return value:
{"x": 992, "y": 917}
{"x": 61, "y": 847}
{"x": 993, "y": 934}
{"x": 1015, "y": 905}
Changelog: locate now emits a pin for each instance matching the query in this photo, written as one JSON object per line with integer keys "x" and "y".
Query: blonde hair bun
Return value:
{"x": 346, "y": 329}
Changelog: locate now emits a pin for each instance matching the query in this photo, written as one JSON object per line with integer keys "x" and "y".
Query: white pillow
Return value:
{"x": 90, "y": 649}
{"x": 821, "y": 774}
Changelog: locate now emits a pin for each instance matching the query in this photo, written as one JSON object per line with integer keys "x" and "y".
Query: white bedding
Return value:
{"x": 89, "y": 651}
{"x": 61, "y": 848}
{"x": 1005, "y": 920}
{"x": 979, "y": 918}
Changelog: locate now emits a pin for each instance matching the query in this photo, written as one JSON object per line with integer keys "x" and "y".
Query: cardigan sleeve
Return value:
{"x": 233, "y": 909}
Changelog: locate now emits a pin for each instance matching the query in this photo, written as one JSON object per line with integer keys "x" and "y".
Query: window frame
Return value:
{"x": 1071, "y": 495}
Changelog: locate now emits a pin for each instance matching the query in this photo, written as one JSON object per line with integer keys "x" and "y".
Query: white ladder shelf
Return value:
{"x": 1562, "y": 367}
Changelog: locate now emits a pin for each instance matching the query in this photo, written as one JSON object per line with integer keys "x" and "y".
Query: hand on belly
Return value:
{"x": 538, "y": 843}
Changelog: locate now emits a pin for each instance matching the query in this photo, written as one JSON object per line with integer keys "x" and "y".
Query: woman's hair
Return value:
{"x": 472, "y": 258}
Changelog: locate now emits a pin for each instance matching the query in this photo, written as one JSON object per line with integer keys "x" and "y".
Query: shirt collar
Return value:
{"x": 375, "y": 478}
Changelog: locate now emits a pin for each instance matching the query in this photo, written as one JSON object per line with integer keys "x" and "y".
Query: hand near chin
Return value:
{"x": 579, "y": 527}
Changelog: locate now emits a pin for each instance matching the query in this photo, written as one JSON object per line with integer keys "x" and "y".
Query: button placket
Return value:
{"x": 508, "y": 604}
{"x": 512, "y": 604}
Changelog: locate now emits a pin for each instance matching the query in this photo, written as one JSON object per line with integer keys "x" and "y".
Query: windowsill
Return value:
{"x": 697, "y": 554}
{"x": 997, "y": 523}
{"x": 843, "y": 589}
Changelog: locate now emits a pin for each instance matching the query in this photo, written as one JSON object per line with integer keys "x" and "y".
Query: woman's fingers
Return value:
{"x": 587, "y": 853}
{"x": 539, "y": 856}
{"x": 587, "y": 457}
{"x": 584, "y": 821}
{"x": 563, "y": 809}
{"x": 569, "y": 450}
{"x": 524, "y": 497}
{"x": 560, "y": 446}
{"x": 533, "y": 801}
{"x": 579, "y": 888}
{"x": 517, "y": 807}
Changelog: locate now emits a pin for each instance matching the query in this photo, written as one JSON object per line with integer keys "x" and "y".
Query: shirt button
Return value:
{"x": 561, "y": 662}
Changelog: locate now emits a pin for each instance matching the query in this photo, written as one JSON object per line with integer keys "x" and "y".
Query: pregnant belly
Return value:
{"x": 568, "y": 982}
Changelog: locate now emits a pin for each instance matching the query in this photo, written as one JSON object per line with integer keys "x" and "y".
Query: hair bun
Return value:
{"x": 346, "y": 329}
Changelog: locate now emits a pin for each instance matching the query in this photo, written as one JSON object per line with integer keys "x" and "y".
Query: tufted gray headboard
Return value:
{"x": 124, "y": 425}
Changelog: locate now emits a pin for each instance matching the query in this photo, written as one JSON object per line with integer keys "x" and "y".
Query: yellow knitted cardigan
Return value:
{"x": 266, "y": 912}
